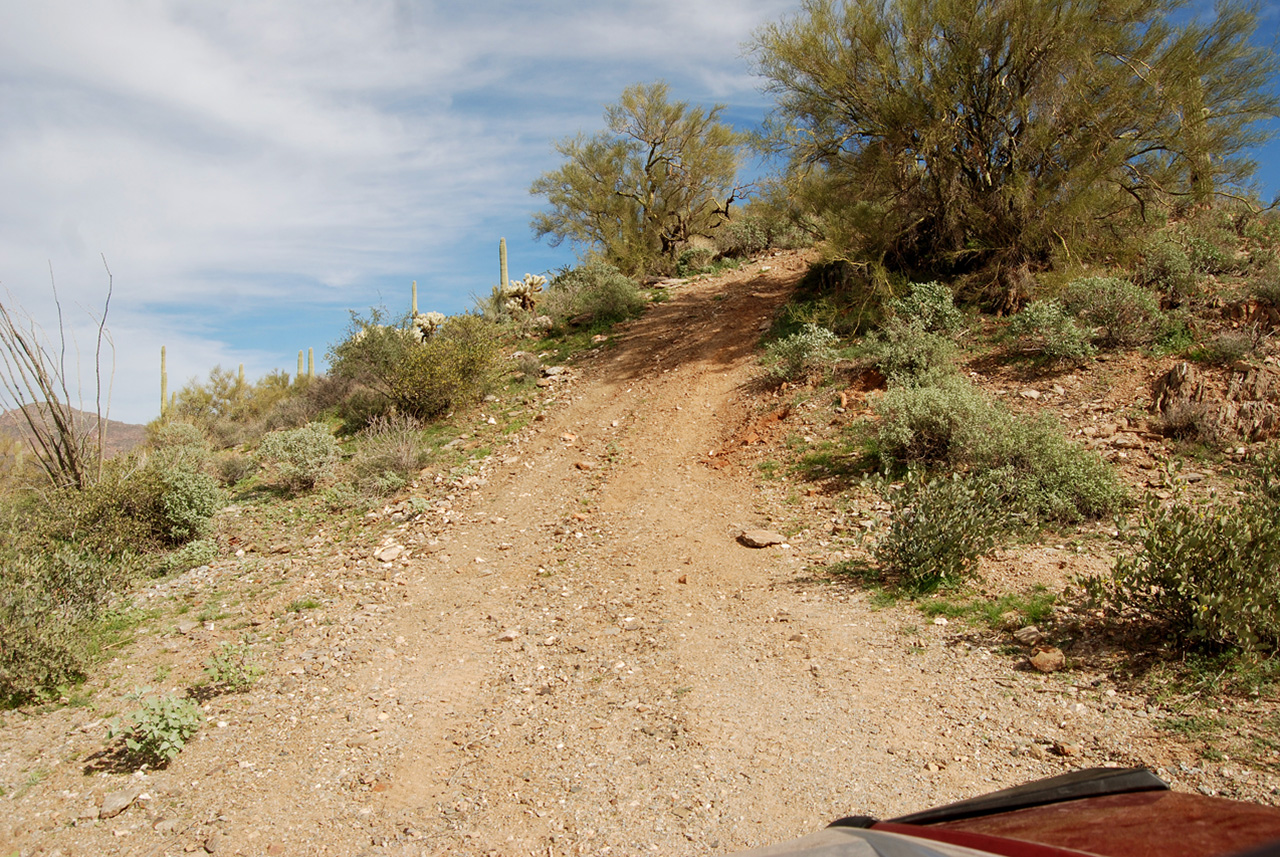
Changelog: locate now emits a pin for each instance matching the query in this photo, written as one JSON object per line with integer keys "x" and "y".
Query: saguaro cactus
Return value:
{"x": 502, "y": 259}
{"x": 413, "y": 306}
{"x": 301, "y": 368}
{"x": 311, "y": 363}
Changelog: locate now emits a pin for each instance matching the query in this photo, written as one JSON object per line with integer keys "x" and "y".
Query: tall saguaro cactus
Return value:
{"x": 502, "y": 259}
{"x": 311, "y": 363}
{"x": 413, "y": 306}
{"x": 300, "y": 365}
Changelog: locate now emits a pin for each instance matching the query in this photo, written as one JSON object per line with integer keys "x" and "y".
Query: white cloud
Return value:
{"x": 235, "y": 160}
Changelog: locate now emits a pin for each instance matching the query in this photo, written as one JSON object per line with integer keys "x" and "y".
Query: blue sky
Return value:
{"x": 253, "y": 170}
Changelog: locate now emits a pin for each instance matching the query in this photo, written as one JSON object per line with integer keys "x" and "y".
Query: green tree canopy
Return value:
{"x": 962, "y": 134}
{"x": 638, "y": 191}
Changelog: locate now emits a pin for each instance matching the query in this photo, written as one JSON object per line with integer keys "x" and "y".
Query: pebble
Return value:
{"x": 1048, "y": 659}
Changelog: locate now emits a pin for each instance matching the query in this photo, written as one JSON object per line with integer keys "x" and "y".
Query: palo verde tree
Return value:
{"x": 638, "y": 191}
{"x": 960, "y": 135}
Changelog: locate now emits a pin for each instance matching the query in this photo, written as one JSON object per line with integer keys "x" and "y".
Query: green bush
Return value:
{"x": 1045, "y": 328}
{"x": 795, "y": 356}
{"x": 232, "y": 466}
{"x": 930, "y": 424}
{"x": 300, "y": 458}
{"x": 391, "y": 367}
{"x": 1207, "y": 569}
{"x": 1125, "y": 314}
{"x": 186, "y": 505}
{"x": 1166, "y": 268}
{"x": 907, "y": 354}
{"x": 931, "y": 306}
{"x": 158, "y": 730}
{"x": 50, "y": 598}
{"x": 191, "y": 555}
{"x": 938, "y": 529}
{"x": 594, "y": 293}
{"x": 1039, "y": 474}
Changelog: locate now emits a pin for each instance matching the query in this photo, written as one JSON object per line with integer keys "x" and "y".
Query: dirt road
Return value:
{"x": 577, "y": 657}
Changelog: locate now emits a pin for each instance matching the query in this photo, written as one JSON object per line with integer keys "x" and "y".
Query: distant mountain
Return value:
{"x": 120, "y": 437}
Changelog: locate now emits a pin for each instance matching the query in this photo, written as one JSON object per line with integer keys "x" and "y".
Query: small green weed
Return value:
{"x": 157, "y": 731}
{"x": 233, "y": 668}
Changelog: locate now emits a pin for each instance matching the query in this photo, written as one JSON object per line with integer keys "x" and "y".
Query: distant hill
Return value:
{"x": 120, "y": 437}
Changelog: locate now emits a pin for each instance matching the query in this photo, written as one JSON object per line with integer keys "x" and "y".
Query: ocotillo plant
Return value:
{"x": 164, "y": 386}
{"x": 502, "y": 259}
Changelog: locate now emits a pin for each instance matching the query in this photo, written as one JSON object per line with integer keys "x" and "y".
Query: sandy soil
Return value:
{"x": 573, "y": 655}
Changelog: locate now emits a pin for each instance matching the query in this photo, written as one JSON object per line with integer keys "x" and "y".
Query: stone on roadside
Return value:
{"x": 509, "y": 636}
{"x": 389, "y": 553}
{"x": 1029, "y": 636}
{"x": 1048, "y": 659}
{"x": 760, "y": 538}
{"x": 117, "y": 802}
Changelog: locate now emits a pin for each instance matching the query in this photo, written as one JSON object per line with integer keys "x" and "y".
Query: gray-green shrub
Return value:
{"x": 1045, "y": 328}
{"x": 1039, "y": 473}
{"x": 300, "y": 458}
{"x": 794, "y": 357}
{"x": 1166, "y": 268}
{"x": 930, "y": 305}
{"x": 907, "y": 354}
{"x": 594, "y": 293}
{"x": 1124, "y": 314}
{"x": 939, "y": 528}
{"x": 1208, "y": 569}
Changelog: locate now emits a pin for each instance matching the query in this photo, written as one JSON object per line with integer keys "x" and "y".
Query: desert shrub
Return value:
{"x": 1045, "y": 328}
{"x": 300, "y": 458}
{"x": 1266, "y": 286}
{"x": 594, "y": 293}
{"x": 191, "y": 555}
{"x": 50, "y": 598}
{"x": 1166, "y": 268}
{"x": 931, "y": 306}
{"x": 158, "y": 729}
{"x": 391, "y": 451}
{"x": 186, "y": 505}
{"x": 527, "y": 365}
{"x": 938, "y": 529}
{"x": 907, "y": 353}
{"x": 453, "y": 368}
{"x": 1207, "y": 569}
{"x": 231, "y": 467}
{"x": 744, "y": 235}
{"x": 1229, "y": 346}
{"x": 1038, "y": 473}
{"x": 794, "y": 357}
{"x": 390, "y": 367}
{"x": 1208, "y": 256}
{"x": 141, "y": 503}
{"x": 230, "y": 410}
{"x": 1194, "y": 421}
{"x": 1125, "y": 314}
{"x": 929, "y": 424}
{"x": 1265, "y": 481}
